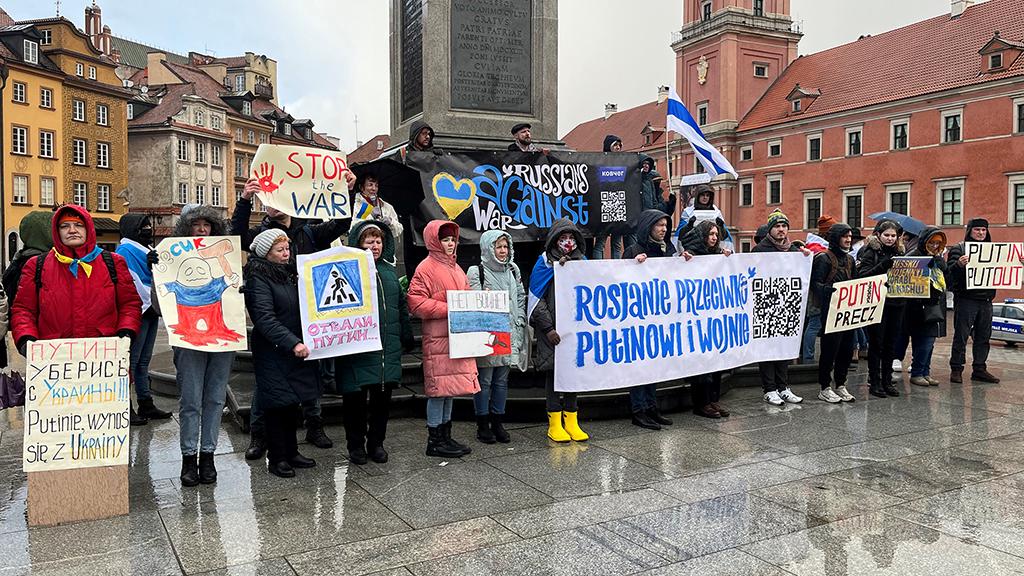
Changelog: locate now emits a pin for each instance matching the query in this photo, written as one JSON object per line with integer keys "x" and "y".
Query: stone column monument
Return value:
{"x": 474, "y": 68}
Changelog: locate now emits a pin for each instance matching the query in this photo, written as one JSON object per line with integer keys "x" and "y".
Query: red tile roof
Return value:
{"x": 370, "y": 150}
{"x": 627, "y": 124}
{"x": 933, "y": 55}
{"x": 232, "y": 61}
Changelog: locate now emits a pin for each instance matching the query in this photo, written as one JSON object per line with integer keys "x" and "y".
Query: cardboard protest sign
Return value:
{"x": 626, "y": 324}
{"x": 479, "y": 323}
{"x": 994, "y": 265}
{"x": 856, "y": 304}
{"x": 910, "y": 277}
{"x": 303, "y": 182}
{"x": 76, "y": 404}
{"x": 338, "y": 302}
{"x": 197, "y": 282}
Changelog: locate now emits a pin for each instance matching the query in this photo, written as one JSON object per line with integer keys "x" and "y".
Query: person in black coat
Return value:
{"x": 972, "y": 310}
{"x": 831, "y": 266}
{"x": 925, "y": 318}
{"x": 876, "y": 257}
{"x": 283, "y": 377}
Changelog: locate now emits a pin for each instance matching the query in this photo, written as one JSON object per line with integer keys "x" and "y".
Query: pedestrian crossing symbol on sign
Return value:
{"x": 337, "y": 286}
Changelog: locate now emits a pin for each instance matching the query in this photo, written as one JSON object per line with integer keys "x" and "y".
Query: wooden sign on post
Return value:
{"x": 76, "y": 429}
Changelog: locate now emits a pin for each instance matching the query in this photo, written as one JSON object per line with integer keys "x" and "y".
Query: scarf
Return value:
{"x": 542, "y": 275}
{"x": 73, "y": 263}
{"x": 135, "y": 254}
{"x": 783, "y": 246}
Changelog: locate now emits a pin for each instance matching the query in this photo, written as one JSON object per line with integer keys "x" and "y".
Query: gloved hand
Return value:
{"x": 126, "y": 333}
{"x": 23, "y": 344}
{"x": 152, "y": 259}
{"x": 887, "y": 264}
{"x": 671, "y": 202}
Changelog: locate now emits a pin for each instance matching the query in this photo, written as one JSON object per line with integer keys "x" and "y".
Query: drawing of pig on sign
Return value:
{"x": 197, "y": 282}
{"x": 303, "y": 182}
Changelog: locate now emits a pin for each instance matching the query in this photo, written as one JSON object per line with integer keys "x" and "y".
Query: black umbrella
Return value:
{"x": 398, "y": 184}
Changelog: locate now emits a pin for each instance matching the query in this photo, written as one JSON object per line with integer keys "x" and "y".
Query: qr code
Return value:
{"x": 777, "y": 307}
{"x": 613, "y": 206}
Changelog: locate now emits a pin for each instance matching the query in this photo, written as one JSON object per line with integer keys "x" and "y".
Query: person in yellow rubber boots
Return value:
{"x": 563, "y": 243}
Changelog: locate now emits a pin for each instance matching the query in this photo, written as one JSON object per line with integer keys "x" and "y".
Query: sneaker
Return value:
{"x": 931, "y": 380}
{"x": 920, "y": 381}
{"x": 897, "y": 366}
{"x": 897, "y": 377}
{"x": 829, "y": 396}
{"x": 774, "y": 398}
{"x": 844, "y": 394}
{"x": 788, "y": 396}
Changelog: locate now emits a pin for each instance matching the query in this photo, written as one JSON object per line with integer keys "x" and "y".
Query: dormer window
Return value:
{"x": 286, "y": 129}
{"x": 31, "y": 52}
{"x": 47, "y": 37}
{"x": 995, "y": 61}
{"x": 796, "y": 105}
{"x": 801, "y": 98}
{"x": 998, "y": 53}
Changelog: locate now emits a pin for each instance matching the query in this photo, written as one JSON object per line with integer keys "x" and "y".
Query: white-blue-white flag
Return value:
{"x": 680, "y": 121}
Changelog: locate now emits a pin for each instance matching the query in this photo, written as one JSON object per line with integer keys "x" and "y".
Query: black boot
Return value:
{"x": 281, "y": 469}
{"x": 446, "y": 430}
{"x": 378, "y": 454}
{"x": 315, "y": 434}
{"x": 876, "y": 390}
{"x": 890, "y": 390}
{"x": 189, "y": 471}
{"x": 655, "y": 415}
{"x": 357, "y": 455}
{"x": 483, "y": 430}
{"x": 438, "y": 446}
{"x": 642, "y": 420}
{"x": 500, "y": 434}
{"x": 300, "y": 461}
{"x": 134, "y": 419}
{"x": 207, "y": 471}
{"x": 257, "y": 447}
{"x": 148, "y": 410}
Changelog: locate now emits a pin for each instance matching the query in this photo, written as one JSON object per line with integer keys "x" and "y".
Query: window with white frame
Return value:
{"x": 853, "y": 141}
{"x": 797, "y": 105}
{"x": 215, "y": 196}
{"x": 92, "y": 72}
{"x": 900, "y": 134}
{"x": 78, "y": 151}
{"x": 952, "y": 126}
{"x": 995, "y": 60}
{"x": 774, "y": 148}
{"x": 706, "y": 10}
{"x": 81, "y": 196}
{"x": 45, "y": 98}
{"x": 199, "y": 119}
{"x": 949, "y": 196}
{"x": 745, "y": 246}
{"x": 20, "y": 193}
{"x": 747, "y": 192}
{"x": 47, "y": 37}
{"x": 19, "y": 93}
{"x": 215, "y": 121}
{"x": 200, "y": 194}
{"x": 774, "y": 188}
{"x": 814, "y": 147}
{"x": 46, "y": 144}
{"x": 853, "y": 207}
{"x": 47, "y": 188}
{"x": 103, "y": 197}
{"x": 239, "y": 83}
{"x": 130, "y": 109}
{"x": 19, "y": 140}
{"x": 812, "y": 209}
{"x": 216, "y": 151}
{"x": 239, "y": 170}
{"x": 182, "y": 193}
{"x": 746, "y": 153}
{"x": 1017, "y": 199}
{"x": 263, "y": 137}
{"x": 102, "y": 114}
{"x": 897, "y": 198}
{"x": 31, "y": 52}
{"x": 247, "y": 108}
{"x": 183, "y": 150}
{"x": 238, "y": 193}
{"x": 758, "y": 7}
{"x": 78, "y": 110}
{"x": 702, "y": 114}
{"x": 238, "y": 134}
{"x": 1018, "y": 115}
{"x": 201, "y": 152}
{"x": 102, "y": 155}
{"x": 252, "y": 137}
{"x": 79, "y": 69}
{"x": 760, "y": 70}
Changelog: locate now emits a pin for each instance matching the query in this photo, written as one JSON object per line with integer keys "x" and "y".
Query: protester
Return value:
{"x": 817, "y": 245}
{"x": 703, "y": 199}
{"x": 37, "y": 238}
{"x": 421, "y": 137}
{"x": 202, "y": 377}
{"x": 368, "y": 205}
{"x": 705, "y": 239}
{"x": 876, "y": 257}
{"x": 283, "y": 377}
{"x": 524, "y": 139}
{"x": 612, "y": 143}
{"x": 926, "y": 317}
{"x": 651, "y": 234}
{"x": 775, "y": 373}
{"x": 306, "y": 237}
{"x": 564, "y": 242}
{"x": 136, "y": 248}
{"x": 762, "y": 232}
{"x": 829, "y": 267}
{"x": 367, "y": 379}
{"x": 972, "y": 310}
{"x": 498, "y": 271}
{"x": 444, "y": 377}
{"x": 650, "y": 188}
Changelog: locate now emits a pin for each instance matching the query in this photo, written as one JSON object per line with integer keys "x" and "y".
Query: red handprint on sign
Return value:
{"x": 265, "y": 177}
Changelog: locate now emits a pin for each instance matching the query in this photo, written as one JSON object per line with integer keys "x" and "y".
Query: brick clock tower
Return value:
{"x": 728, "y": 53}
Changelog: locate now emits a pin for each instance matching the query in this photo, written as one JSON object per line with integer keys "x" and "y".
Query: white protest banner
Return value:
{"x": 197, "y": 282}
{"x": 338, "y": 302}
{"x": 910, "y": 277}
{"x": 301, "y": 181}
{"x": 856, "y": 304}
{"x": 76, "y": 404}
{"x": 702, "y": 215}
{"x": 994, "y": 265}
{"x": 624, "y": 324}
{"x": 479, "y": 323}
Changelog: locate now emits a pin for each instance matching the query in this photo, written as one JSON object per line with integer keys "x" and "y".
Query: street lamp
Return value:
{"x": 4, "y": 72}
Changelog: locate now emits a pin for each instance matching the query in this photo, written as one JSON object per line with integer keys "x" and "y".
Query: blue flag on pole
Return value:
{"x": 681, "y": 122}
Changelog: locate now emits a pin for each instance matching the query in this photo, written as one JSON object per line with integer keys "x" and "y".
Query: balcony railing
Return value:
{"x": 730, "y": 17}
{"x": 265, "y": 90}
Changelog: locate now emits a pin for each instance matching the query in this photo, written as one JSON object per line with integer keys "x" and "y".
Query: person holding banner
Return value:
{"x": 612, "y": 143}
{"x": 972, "y": 310}
{"x": 366, "y": 380}
{"x": 564, "y": 242}
{"x": 651, "y": 231}
{"x": 775, "y": 373}
{"x": 703, "y": 201}
{"x": 283, "y": 378}
{"x": 829, "y": 267}
{"x": 444, "y": 377}
{"x": 925, "y": 318}
{"x": 874, "y": 258}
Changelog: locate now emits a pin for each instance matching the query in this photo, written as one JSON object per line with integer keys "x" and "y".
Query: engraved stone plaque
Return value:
{"x": 491, "y": 55}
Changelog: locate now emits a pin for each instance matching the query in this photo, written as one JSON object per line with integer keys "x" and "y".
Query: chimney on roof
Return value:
{"x": 610, "y": 109}
{"x": 662, "y": 94}
{"x": 94, "y": 25}
{"x": 958, "y": 7}
{"x": 115, "y": 55}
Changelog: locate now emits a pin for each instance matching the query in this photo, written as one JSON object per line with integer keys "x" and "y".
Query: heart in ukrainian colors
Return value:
{"x": 454, "y": 195}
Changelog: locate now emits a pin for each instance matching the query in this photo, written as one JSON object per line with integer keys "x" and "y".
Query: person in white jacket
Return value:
{"x": 368, "y": 205}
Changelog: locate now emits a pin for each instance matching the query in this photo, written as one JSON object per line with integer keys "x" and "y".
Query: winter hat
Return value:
{"x": 977, "y": 223}
{"x": 265, "y": 240}
{"x": 777, "y": 217}
{"x": 824, "y": 223}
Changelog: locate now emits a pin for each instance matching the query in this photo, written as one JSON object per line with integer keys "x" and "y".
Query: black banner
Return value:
{"x": 524, "y": 193}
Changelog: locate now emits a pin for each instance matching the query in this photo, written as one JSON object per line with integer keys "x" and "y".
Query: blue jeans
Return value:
{"x": 860, "y": 339}
{"x": 142, "y": 353}
{"x": 643, "y": 397}
{"x": 203, "y": 382}
{"x": 439, "y": 411}
{"x": 617, "y": 245}
{"x": 922, "y": 347}
{"x": 493, "y": 390}
{"x": 810, "y": 334}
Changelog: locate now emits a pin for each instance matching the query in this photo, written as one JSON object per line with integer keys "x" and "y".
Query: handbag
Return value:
{"x": 934, "y": 313}
{"x": 12, "y": 390}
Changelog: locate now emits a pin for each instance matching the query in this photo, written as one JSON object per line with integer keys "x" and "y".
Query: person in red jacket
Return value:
{"x": 82, "y": 292}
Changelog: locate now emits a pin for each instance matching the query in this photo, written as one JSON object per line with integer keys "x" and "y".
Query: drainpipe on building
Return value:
{"x": 4, "y": 71}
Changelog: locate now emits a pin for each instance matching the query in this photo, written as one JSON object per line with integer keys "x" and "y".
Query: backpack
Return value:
{"x": 108, "y": 259}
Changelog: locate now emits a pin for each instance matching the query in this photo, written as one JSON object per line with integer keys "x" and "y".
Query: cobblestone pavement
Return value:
{"x": 929, "y": 483}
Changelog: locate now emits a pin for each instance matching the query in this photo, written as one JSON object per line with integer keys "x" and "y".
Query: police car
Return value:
{"x": 1008, "y": 321}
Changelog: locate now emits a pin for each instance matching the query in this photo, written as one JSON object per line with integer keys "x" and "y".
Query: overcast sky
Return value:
{"x": 333, "y": 54}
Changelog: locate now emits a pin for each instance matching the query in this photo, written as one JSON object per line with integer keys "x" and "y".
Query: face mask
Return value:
{"x": 567, "y": 245}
